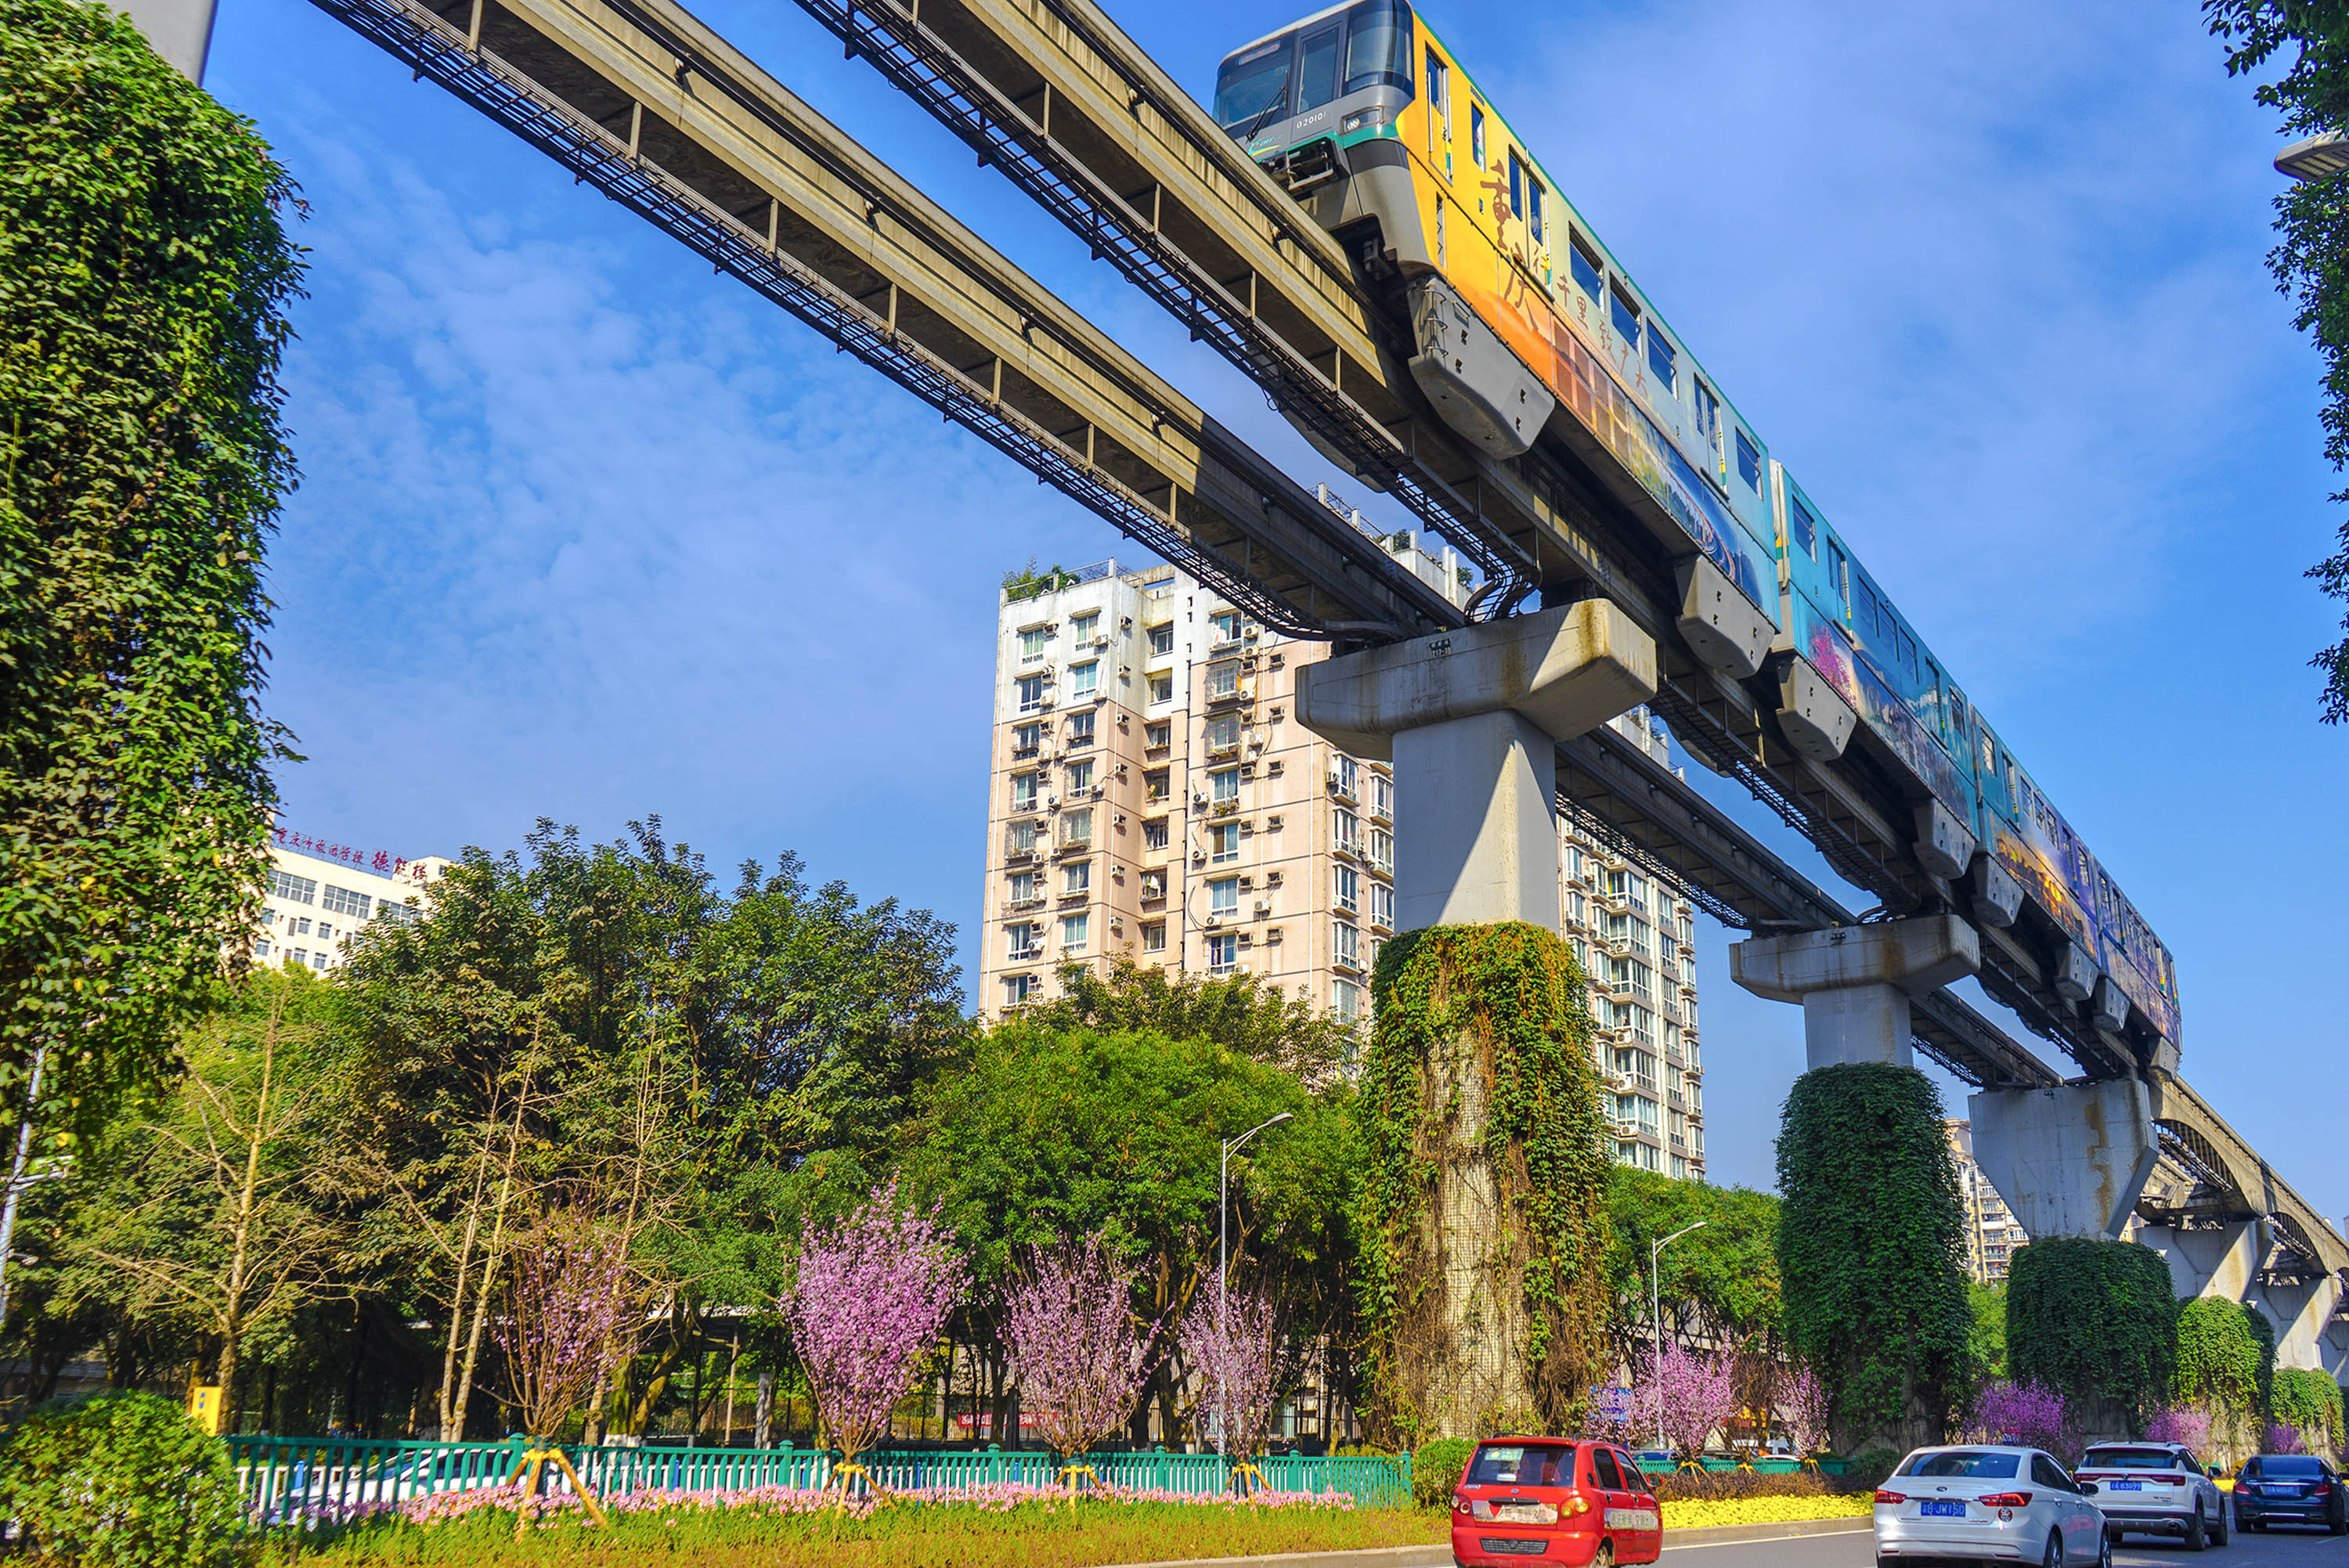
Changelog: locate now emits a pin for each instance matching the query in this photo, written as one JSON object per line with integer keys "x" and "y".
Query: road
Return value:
{"x": 1857, "y": 1549}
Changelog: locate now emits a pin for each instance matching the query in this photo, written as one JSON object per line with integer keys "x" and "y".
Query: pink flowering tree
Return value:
{"x": 1694, "y": 1393}
{"x": 569, "y": 1316}
{"x": 2181, "y": 1424}
{"x": 2286, "y": 1439}
{"x": 2029, "y": 1414}
{"x": 868, "y": 1300}
{"x": 1803, "y": 1404}
{"x": 1237, "y": 1354}
{"x": 1074, "y": 1345}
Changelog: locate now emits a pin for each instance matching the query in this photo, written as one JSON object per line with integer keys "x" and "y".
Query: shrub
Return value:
{"x": 1437, "y": 1469}
{"x": 2218, "y": 1357}
{"x": 2309, "y": 1404}
{"x": 1870, "y": 1466}
{"x": 2093, "y": 1319}
{"x": 122, "y": 1480}
{"x": 1733, "y": 1486}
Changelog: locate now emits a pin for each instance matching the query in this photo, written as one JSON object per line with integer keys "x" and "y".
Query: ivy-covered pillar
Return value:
{"x": 1485, "y": 1290}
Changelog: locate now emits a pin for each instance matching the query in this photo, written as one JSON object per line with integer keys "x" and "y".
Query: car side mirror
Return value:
{"x": 2216, "y": 1471}
{"x": 2088, "y": 1487}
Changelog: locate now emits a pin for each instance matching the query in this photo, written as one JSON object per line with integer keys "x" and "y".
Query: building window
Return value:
{"x": 1383, "y": 850}
{"x": 1345, "y": 941}
{"x": 1154, "y": 937}
{"x": 1027, "y": 738}
{"x": 1077, "y": 878}
{"x": 1017, "y": 989}
{"x": 1161, "y": 688}
{"x": 1224, "y": 843}
{"x": 1024, "y": 787}
{"x": 1223, "y": 784}
{"x": 261, "y": 947}
{"x": 1073, "y": 930}
{"x": 1223, "y": 679}
{"x": 302, "y": 926}
{"x": 1085, "y": 627}
{"x": 1345, "y": 828}
{"x": 1081, "y": 776}
{"x": 317, "y": 961}
{"x": 1020, "y": 837}
{"x": 1223, "y": 951}
{"x": 1153, "y": 885}
{"x": 1382, "y": 796}
{"x": 1026, "y": 885}
{"x": 1224, "y": 896}
{"x": 1158, "y": 736}
{"x": 1347, "y": 997}
{"x": 1226, "y": 626}
{"x": 1382, "y": 905}
{"x": 1345, "y": 774}
{"x": 1019, "y": 942}
{"x": 1155, "y": 784}
{"x": 343, "y": 901}
{"x": 1032, "y": 641}
{"x": 1081, "y": 729}
{"x": 1223, "y": 733}
{"x": 300, "y": 889}
{"x": 1085, "y": 679}
{"x": 1077, "y": 828}
{"x": 1347, "y": 887}
{"x": 1030, "y": 689}
{"x": 1161, "y": 638}
{"x": 1153, "y": 834}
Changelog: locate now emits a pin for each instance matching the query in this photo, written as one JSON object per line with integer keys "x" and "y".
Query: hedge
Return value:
{"x": 2094, "y": 1320}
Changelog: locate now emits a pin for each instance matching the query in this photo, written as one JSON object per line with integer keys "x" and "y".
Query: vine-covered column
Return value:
{"x": 1484, "y": 1220}
{"x": 1871, "y": 1252}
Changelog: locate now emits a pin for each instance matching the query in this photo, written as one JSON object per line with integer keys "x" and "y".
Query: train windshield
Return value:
{"x": 1325, "y": 57}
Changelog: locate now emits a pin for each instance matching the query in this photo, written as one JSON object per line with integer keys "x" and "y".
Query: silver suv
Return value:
{"x": 2156, "y": 1489}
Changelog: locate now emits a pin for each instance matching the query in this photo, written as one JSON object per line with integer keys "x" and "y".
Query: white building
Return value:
{"x": 320, "y": 892}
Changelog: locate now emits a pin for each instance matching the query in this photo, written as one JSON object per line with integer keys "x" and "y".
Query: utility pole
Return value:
{"x": 1223, "y": 1286}
{"x": 1656, "y": 1316}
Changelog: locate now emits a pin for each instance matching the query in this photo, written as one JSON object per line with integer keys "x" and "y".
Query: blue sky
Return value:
{"x": 587, "y": 532}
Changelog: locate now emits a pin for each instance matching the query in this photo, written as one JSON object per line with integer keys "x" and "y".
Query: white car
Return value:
{"x": 2159, "y": 1488}
{"x": 1991, "y": 1502}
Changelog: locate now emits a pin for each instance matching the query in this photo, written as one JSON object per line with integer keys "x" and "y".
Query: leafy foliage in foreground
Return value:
{"x": 2093, "y": 1319}
{"x": 144, "y": 275}
{"x": 2311, "y": 260}
{"x": 122, "y": 1480}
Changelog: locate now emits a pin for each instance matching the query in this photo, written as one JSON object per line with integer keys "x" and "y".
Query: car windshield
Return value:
{"x": 2297, "y": 1465}
{"x": 2133, "y": 1459}
{"x": 1967, "y": 1462}
{"x": 1523, "y": 1464}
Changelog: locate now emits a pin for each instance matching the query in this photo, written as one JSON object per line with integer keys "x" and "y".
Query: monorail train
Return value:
{"x": 1527, "y": 326}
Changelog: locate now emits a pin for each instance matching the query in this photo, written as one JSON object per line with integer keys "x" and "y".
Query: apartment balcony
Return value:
{"x": 1018, "y": 857}
{"x": 1027, "y": 955}
{"x": 1017, "y": 904}
{"x": 1073, "y": 846}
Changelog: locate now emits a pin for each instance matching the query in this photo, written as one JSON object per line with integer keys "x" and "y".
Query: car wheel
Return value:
{"x": 2103, "y": 1552}
{"x": 2218, "y": 1526}
{"x": 1605, "y": 1557}
{"x": 2197, "y": 1537}
{"x": 2340, "y": 1525}
{"x": 2054, "y": 1554}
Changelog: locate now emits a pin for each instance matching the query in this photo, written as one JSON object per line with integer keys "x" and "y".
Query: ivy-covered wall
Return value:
{"x": 1871, "y": 1252}
{"x": 1483, "y": 1214}
{"x": 2096, "y": 1319}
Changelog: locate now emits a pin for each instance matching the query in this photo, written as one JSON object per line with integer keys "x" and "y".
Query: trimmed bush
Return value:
{"x": 120, "y": 1481}
{"x": 2093, "y": 1320}
{"x": 1437, "y": 1469}
{"x": 1871, "y": 1252}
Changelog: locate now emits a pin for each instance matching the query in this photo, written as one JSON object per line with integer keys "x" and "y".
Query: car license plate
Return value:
{"x": 1521, "y": 1513}
{"x": 2127, "y": 1486}
{"x": 1934, "y": 1509}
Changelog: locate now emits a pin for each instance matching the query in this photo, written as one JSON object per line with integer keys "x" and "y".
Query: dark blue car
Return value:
{"x": 2289, "y": 1489}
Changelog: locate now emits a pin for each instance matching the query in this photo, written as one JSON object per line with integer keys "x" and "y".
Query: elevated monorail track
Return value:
{"x": 643, "y": 101}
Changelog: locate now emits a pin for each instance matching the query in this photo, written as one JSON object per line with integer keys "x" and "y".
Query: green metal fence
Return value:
{"x": 324, "y": 1477}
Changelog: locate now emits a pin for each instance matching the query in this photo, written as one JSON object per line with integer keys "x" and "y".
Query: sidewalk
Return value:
{"x": 1440, "y": 1556}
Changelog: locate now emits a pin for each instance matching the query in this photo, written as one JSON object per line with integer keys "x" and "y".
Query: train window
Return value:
{"x": 1317, "y": 68}
{"x": 1839, "y": 577}
{"x": 1708, "y": 425}
{"x": 1663, "y": 360}
{"x": 1251, "y": 83}
{"x": 1476, "y": 137}
{"x": 1864, "y": 611}
{"x": 1583, "y": 262}
{"x": 1534, "y": 208}
{"x": 1802, "y": 528}
{"x": 1627, "y": 316}
{"x": 1517, "y": 187}
{"x": 1907, "y": 647}
{"x": 1378, "y": 46}
{"x": 1439, "y": 99}
{"x": 1749, "y": 462}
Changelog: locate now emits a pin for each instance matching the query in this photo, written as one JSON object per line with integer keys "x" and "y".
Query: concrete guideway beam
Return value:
{"x": 1470, "y": 720}
{"x": 180, "y": 30}
{"x": 2070, "y": 1161}
{"x": 1856, "y": 982}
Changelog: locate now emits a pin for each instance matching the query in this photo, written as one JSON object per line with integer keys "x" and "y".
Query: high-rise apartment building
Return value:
{"x": 1992, "y": 1234}
{"x": 321, "y": 892}
{"x": 1153, "y": 797}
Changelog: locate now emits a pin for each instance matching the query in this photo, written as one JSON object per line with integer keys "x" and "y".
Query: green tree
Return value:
{"x": 2095, "y": 1319}
{"x": 2311, "y": 260}
{"x": 1720, "y": 1283}
{"x": 1239, "y": 1012}
{"x": 1871, "y": 1247}
{"x": 144, "y": 275}
{"x": 1986, "y": 1346}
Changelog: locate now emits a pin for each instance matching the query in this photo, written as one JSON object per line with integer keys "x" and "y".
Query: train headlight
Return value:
{"x": 1363, "y": 118}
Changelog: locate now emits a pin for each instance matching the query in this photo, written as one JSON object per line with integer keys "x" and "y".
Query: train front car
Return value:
{"x": 1980, "y": 819}
{"x": 1522, "y": 325}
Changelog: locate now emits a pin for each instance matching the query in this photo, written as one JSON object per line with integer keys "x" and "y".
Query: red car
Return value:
{"x": 1558, "y": 1499}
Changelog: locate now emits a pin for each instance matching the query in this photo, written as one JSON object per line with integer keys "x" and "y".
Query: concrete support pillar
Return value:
{"x": 1469, "y": 720}
{"x": 2071, "y": 1161}
{"x": 1855, "y": 982}
{"x": 180, "y": 30}
{"x": 2223, "y": 1260}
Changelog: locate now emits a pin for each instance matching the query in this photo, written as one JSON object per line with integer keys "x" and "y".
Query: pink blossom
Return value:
{"x": 565, "y": 1323}
{"x": 2286, "y": 1439}
{"x": 2030, "y": 1414}
{"x": 2179, "y": 1424}
{"x": 868, "y": 1300}
{"x": 1074, "y": 1345}
{"x": 1803, "y": 1400}
{"x": 1237, "y": 1357}
{"x": 1696, "y": 1394}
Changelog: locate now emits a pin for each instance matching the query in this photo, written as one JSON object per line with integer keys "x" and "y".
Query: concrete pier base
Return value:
{"x": 1855, "y": 982}
{"x": 2071, "y": 1161}
{"x": 1470, "y": 720}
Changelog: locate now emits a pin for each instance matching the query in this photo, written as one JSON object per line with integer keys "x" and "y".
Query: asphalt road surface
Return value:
{"x": 1857, "y": 1549}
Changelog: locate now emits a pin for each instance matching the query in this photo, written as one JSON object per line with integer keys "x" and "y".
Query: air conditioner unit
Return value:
{"x": 1270, "y": 824}
{"x": 1272, "y": 769}
{"x": 1272, "y": 879}
{"x": 1214, "y": 921}
{"x": 1119, "y": 819}
{"x": 1198, "y": 857}
{"x": 1247, "y": 882}
{"x": 1272, "y": 936}
{"x": 1264, "y": 906}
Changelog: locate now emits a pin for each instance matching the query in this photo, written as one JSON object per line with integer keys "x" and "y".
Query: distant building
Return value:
{"x": 321, "y": 892}
{"x": 1992, "y": 1235}
{"x": 1153, "y": 797}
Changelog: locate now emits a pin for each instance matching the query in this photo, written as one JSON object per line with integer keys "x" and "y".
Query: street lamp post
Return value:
{"x": 1223, "y": 1284}
{"x": 1656, "y": 1316}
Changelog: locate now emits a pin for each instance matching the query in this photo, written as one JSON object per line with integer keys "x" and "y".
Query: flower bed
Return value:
{"x": 994, "y": 1526}
{"x": 1705, "y": 1513}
